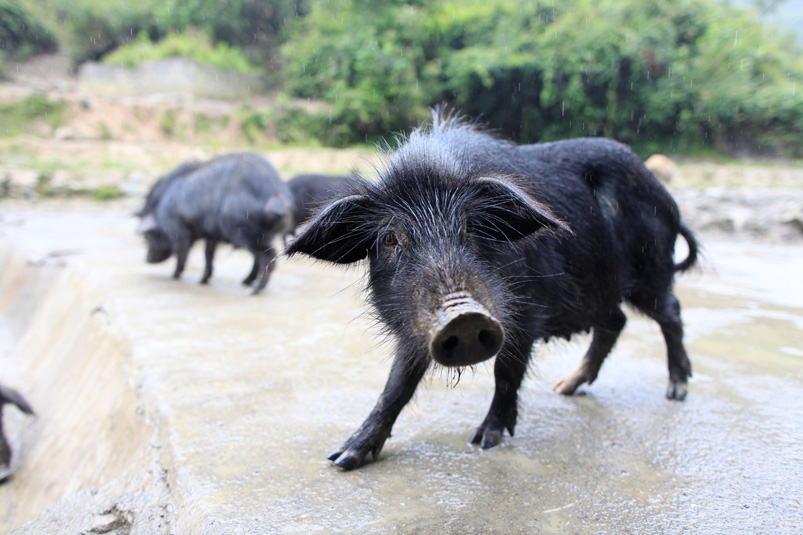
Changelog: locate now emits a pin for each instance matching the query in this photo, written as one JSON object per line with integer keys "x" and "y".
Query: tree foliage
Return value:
{"x": 659, "y": 75}
{"x": 684, "y": 76}
{"x": 96, "y": 27}
{"x": 20, "y": 33}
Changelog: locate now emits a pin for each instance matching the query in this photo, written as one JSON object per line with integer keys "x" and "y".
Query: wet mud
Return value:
{"x": 207, "y": 410}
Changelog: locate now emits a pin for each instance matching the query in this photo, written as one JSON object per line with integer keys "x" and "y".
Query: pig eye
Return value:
{"x": 389, "y": 239}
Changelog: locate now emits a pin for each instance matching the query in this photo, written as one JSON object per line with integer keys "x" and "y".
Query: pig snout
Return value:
{"x": 464, "y": 332}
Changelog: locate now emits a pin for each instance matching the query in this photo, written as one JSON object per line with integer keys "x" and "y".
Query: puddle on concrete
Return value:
{"x": 253, "y": 392}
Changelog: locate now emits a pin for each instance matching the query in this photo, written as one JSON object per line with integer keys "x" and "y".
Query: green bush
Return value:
{"x": 21, "y": 35}
{"x": 93, "y": 28}
{"x": 96, "y": 27}
{"x": 361, "y": 57}
{"x": 191, "y": 44}
{"x": 671, "y": 76}
{"x": 294, "y": 125}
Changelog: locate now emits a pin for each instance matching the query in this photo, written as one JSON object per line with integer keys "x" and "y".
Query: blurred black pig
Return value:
{"x": 311, "y": 192}
{"x": 9, "y": 396}
{"x": 236, "y": 198}
{"x": 478, "y": 247}
{"x": 163, "y": 184}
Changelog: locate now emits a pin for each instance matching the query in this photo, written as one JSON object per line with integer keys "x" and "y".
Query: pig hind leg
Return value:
{"x": 605, "y": 333}
{"x": 665, "y": 309}
{"x": 253, "y": 275}
{"x": 509, "y": 370}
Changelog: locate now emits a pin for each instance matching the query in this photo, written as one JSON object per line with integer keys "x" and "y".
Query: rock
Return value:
{"x": 662, "y": 167}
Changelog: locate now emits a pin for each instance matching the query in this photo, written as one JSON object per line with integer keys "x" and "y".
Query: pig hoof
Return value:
{"x": 347, "y": 461}
{"x": 569, "y": 384}
{"x": 676, "y": 390}
{"x": 486, "y": 437}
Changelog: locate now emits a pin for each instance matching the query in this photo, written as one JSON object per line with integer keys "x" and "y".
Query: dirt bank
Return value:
{"x": 106, "y": 146}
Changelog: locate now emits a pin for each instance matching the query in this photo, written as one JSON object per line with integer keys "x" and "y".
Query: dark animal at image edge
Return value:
{"x": 236, "y": 198}
{"x": 478, "y": 247}
{"x": 312, "y": 192}
{"x": 9, "y": 396}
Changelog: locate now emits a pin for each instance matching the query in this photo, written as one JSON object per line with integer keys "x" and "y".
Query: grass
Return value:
{"x": 17, "y": 117}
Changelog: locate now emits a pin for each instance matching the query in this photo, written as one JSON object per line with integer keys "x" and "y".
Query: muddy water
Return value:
{"x": 245, "y": 396}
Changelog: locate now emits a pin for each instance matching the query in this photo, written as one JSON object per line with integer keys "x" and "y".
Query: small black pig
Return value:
{"x": 478, "y": 247}
{"x": 236, "y": 198}
{"x": 9, "y": 395}
{"x": 311, "y": 192}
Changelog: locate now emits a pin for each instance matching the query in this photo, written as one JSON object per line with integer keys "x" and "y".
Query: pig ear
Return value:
{"x": 508, "y": 213}
{"x": 337, "y": 233}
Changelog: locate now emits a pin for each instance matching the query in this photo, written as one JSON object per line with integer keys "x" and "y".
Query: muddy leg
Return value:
{"x": 509, "y": 370}
{"x": 211, "y": 245}
{"x": 404, "y": 377}
{"x": 602, "y": 341}
{"x": 267, "y": 262}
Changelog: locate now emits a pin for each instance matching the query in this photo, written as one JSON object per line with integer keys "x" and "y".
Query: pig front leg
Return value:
{"x": 182, "y": 243}
{"x": 265, "y": 262}
{"x": 509, "y": 370}
{"x": 211, "y": 245}
{"x": 408, "y": 369}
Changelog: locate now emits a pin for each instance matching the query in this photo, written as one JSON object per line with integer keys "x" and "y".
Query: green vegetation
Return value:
{"x": 670, "y": 76}
{"x": 15, "y": 117}
{"x": 106, "y": 192}
{"x": 20, "y": 33}
{"x": 169, "y": 122}
{"x": 255, "y": 25}
{"x": 689, "y": 76}
{"x": 191, "y": 44}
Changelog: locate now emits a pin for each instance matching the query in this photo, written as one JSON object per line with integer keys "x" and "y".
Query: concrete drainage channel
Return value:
{"x": 89, "y": 432}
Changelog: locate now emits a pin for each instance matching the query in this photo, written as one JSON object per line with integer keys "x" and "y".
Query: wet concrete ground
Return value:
{"x": 239, "y": 399}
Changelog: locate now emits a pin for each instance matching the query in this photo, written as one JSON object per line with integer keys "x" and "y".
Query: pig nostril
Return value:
{"x": 486, "y": 338}
{"x": 450, "y": 343}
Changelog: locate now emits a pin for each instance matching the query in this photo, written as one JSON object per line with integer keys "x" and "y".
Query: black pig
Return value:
{"x": 164, "y": 183}
{"x": 236, "y": 198}
{"x": 478, "y": 247}
{"x": 311, "y": 192}
{"x": 9, "y": 395}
